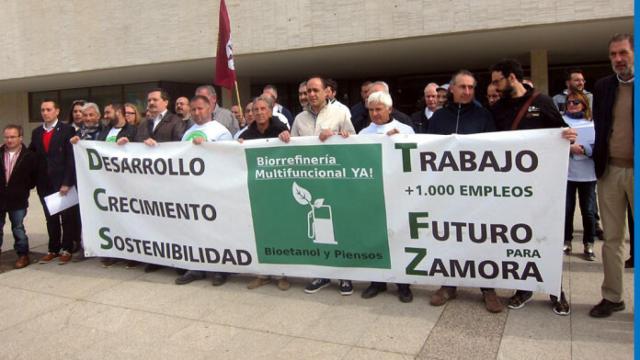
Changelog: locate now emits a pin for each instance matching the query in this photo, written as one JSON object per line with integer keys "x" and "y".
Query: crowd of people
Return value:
{"x": 599, "y": 126}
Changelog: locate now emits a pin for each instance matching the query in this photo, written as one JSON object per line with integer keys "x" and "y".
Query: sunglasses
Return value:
{"x": 574, "y": 102}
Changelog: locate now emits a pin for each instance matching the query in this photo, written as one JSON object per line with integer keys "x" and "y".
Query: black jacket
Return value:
{"x": 55, "y": 167}
{"x": 275, "y": 128}
{"x": 420, "y": 122}
{"x": 455, "y": 118}
{"x": 14, "y": 195}
{"x": 359, "y": 116}
{"x": 541, "y": 114}
{"x": 604, "y": 97}
{"x": 128, "y": 131}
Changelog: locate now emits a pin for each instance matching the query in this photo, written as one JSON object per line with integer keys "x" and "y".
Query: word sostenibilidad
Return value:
{"x": 145, "y": 166}
{"x": 172, "y": 251}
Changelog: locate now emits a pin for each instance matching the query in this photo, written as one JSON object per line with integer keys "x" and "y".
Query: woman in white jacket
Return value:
{"x": 581, "y": 177}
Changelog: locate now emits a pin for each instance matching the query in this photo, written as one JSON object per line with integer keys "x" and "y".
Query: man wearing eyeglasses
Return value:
{"x": 574, "y": 79}
{"x": 522, "y": 108}
{"x": 19, "y": 171}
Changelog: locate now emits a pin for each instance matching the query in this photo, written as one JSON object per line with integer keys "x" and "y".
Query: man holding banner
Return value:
{"x": 324, "y": 121}
{"x": 520, "y": 108}
{"x": 461, "y": 115}
{"x": 204, "y": 129}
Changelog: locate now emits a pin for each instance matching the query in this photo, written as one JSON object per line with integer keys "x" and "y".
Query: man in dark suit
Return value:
{"x": 161, "y": 125}
{"x": 56, "y": 173}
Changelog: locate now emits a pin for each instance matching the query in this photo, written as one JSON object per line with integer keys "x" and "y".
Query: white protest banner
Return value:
{"x": 483, "y": 210}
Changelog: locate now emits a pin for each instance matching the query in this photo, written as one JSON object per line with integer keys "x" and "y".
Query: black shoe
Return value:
{"x": 519, "y": 299}
{"x": 404, "y": 294}
{"x": 629, "y": 263}
{"x": 599, "y": 232}
{"x": 181, "y": 271}
{"x": 219, "y": 278}
{"x": 589, "y": 255}
{"x": 151, "y": 268}
{"x": 605, "y": 308}
{"x": 345, "y": 287}
{"x": 560, "y": 306}
{"x": 373, "y": 290}
{"x": 190, "y": 276}
{"x": 316, "y": 284}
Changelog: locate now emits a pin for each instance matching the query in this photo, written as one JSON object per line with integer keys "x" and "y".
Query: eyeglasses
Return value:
{"x": 496, "y": 81}
{"x": 574, "y": 102}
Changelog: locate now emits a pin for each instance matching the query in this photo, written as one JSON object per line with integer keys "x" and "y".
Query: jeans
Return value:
{"x": 16, "y": 217}
{"x": 587, "y": 198}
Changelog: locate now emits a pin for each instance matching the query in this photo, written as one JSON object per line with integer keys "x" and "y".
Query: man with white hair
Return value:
{"x": 421, "y": 118}
{"x": 380, "y": 106}
{"x": 396, "y": 114}
{"x": 91, "y": 126}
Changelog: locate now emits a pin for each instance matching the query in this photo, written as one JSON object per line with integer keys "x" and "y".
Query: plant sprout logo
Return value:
{"x": 319, "y": 218}
{"x": 196, "y": 134}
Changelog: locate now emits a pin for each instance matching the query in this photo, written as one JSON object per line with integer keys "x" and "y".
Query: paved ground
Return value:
{"x": 83, "y": 311}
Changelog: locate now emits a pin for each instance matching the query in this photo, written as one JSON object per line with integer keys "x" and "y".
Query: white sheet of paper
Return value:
{"x": 56, "y": 202}
{"x": 586, "y": 137}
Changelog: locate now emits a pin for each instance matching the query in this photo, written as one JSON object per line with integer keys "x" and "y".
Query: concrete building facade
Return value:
{"x": 51, "y": 46}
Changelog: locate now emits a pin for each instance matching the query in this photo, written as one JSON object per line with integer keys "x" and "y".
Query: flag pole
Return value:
{"x": 235, "y": 82}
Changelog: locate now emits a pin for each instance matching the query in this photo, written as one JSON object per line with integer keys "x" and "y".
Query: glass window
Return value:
{"x": 104, "y": 95}
{"x": 36, "y": 100}
{"x": 67, "y": 97}
{"x": 137, "y": 94}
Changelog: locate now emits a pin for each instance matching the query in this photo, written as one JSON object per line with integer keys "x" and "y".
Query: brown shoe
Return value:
{"x": 47, "y": 258}
{"x": 258, "y": 282}
{"x": 443, "y": 295}
{"x": 23, "y": 261}
{"x": 65, "y": 257}
{"x": 283, "y": 284}
{"x": 492, "y": 301}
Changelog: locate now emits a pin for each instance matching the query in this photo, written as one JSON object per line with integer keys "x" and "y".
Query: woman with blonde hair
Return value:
{"x": 131, "y": 114}
{"x": 582, "y": 176}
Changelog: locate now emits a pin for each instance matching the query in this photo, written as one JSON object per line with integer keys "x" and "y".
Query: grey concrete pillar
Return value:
{"x": 540, "y": 70}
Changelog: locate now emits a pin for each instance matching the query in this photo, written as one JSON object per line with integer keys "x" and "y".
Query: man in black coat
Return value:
{"x": 56, "y": 173}
{"x": 521, "y": 108}
{"x": 613, "y": 157}
{"x": 19, "y": 171}
{"x": 462, "y": 115}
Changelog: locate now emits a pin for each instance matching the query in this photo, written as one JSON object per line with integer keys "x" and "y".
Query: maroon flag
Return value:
{"x": 225, "y": 70}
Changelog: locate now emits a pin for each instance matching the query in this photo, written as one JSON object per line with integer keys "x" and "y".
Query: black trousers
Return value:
{"x": 63, "y": 228}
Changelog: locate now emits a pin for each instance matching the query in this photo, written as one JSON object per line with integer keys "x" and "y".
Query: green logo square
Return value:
{"x": 319, "y": 205}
